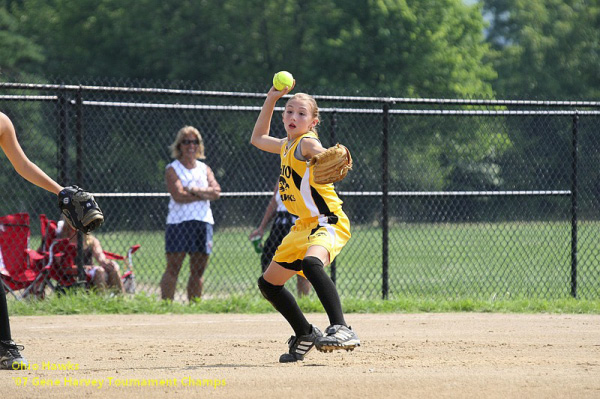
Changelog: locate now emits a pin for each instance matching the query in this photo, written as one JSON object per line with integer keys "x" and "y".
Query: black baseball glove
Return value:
{"x": 80, "y": 209}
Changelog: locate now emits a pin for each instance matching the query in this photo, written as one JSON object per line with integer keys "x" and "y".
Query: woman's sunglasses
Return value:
{"x": 188, "y": 142}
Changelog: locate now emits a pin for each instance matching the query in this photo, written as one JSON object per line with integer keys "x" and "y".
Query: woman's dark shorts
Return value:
{"x": 189, "y": 236}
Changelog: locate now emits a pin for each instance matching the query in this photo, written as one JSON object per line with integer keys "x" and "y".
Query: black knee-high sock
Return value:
{"x": 4, "y": 323}
{"x": 325, "y": 288}
{"x": 286, "y": 304}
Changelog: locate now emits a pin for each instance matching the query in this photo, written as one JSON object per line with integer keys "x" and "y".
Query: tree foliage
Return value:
{"x": 19, "y": 55}
{"x": 545, "y": 48}
{"x": 422, "y": 48}
{"x": 534, "y": 48}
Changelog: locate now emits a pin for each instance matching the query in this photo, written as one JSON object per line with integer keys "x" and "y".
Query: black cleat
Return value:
{"x": 338, "y": 337}
{"x": 10, "y": 358}
{"x": 300, "y": 346}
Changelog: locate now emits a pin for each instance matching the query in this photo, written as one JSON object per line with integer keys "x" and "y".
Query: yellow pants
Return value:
{"x": 324, "y": 231}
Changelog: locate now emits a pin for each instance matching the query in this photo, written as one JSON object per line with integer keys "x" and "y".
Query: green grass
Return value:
{"x": 481, "y": 261}
{"x": 92, "y": 303}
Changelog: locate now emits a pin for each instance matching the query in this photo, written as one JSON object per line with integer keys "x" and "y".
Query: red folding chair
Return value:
{"x": 49, "y": 231}
{"x": 21, "y": 269}
{"x": 65, "y": 271}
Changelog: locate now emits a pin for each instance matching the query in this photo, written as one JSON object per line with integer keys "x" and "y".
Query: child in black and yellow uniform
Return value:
{"x": 319, "y": 234}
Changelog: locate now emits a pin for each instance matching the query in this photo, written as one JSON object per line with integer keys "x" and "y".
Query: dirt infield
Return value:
{"x": 462, "y": 355}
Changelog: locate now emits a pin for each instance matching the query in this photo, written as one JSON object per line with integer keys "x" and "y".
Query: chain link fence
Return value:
{"x": 448, "y": 198}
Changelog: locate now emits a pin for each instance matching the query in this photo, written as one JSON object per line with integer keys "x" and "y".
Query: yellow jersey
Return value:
{"x": 299, "y": 193}
{"x": 321, "y": 220}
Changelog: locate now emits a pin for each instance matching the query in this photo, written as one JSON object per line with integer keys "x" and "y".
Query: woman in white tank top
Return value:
{"x": 192, "y": 185}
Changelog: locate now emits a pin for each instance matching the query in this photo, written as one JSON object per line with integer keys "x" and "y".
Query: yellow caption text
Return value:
{"x": 46, "y": 366}
{"x": 112, "y": 382}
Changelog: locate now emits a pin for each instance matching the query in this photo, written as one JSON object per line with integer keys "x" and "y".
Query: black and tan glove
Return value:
{"x": 80, "y": 209}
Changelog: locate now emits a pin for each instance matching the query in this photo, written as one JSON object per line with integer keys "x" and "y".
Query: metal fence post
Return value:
{"x": 79, "y": 175}
{"x": 574, "y": 206}
{"x": 62, "y": 153}
{"x": 384, "y": 203}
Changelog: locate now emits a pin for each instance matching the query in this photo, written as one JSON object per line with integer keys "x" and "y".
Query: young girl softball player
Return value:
{"x": 10, "y": 358}
{"x": 319, "y": 234}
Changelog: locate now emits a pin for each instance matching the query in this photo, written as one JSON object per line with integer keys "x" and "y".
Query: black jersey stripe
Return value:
{"x": 297, "y": 179}
{"x": 320, "y": 202}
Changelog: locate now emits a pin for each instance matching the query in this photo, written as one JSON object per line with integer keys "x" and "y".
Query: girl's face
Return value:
{"x": 298, "y": 118}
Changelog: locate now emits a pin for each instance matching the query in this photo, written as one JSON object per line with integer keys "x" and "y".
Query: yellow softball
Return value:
{"x": 283, "y": 79}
